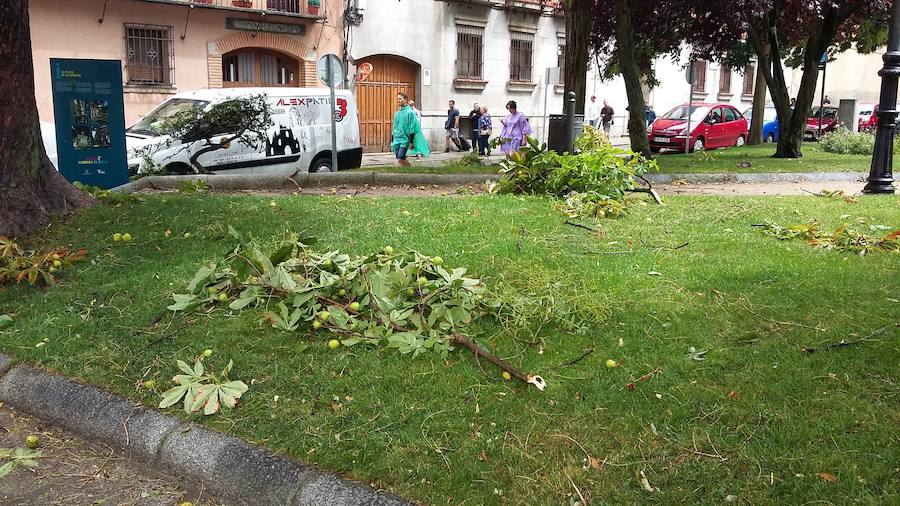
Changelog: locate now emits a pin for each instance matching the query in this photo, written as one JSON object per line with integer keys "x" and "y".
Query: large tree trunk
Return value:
{"x": 792, "y": 123}
{"x": 31, "y": 190}
{"x": 757, "y": 121}
{"x": 631, "y": 73}
{"x": 578, "y": 27}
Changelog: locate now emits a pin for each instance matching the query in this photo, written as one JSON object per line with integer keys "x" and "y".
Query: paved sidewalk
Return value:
{"x": 73, "y": 472}
{"x": 438, "y": 157}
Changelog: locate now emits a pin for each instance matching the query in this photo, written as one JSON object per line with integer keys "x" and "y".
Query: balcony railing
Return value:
{"x": 276, "y": 7}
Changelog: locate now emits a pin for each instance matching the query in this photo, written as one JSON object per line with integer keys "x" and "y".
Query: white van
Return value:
{"x": 299, "y": 139}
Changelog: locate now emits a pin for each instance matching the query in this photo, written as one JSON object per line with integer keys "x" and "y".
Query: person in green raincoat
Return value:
{"x": 408, "y": 138}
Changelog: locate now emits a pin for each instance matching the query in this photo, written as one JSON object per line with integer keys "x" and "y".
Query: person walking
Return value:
{"x": 474, "y": 115}
{"x": 515, "y": 129}
{"x": 412, "y": 103}
{"x": 407, "y": 133}
{"x": 650, "y": 114}
{"x": 593, "y": 112}
{"x": 452, "y": 126}
{"x": 485, "y": 129}
{"x": 606, "y": 115}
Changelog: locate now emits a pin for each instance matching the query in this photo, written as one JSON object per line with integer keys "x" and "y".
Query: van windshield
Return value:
{"x": 153, "y": 124}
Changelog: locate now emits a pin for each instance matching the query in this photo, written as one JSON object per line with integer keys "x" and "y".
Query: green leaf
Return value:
{"x": 249, "y": 296}
{"x": 183, "y": 302}
{"x": 171, "y": 396}
{"x": 7, "y": 468}
{"x": 282, "y": 254}
{"x": 5, "y": 321}
{"x": 185, "y": 367}
{"x": 201, "y": 278}
{"x": 237, "y": 235}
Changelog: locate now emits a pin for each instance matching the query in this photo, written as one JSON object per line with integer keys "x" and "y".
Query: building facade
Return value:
{"x": 168, "y": 46}
{"x": 849, "y": 76}
{"x": 485, "y": 51}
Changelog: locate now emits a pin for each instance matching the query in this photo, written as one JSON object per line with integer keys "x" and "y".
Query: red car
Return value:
{"x": 827, "y": 117}
{"x": 712, "y": 126}
{"x": 869, "y": 122}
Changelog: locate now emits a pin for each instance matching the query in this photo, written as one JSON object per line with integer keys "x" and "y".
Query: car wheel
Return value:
{"x": 655, "y": 150}
{"x": 740, "y": 141}
{"x": 321, "y": 164}
{"x": 770, "y": 138}
{"x": 179, "y": 169}
{"x": 699, "y": 145}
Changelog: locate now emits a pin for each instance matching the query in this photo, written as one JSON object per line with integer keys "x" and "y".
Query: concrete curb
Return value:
{"x": 306, "y": 180}
{"x": 229, "y": 467}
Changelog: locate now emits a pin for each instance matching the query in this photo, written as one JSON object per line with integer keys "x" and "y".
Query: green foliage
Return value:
{"x": 18, "y": 457}
{"x": 843, "y": 238}
{"x": 845, "y": 142}
{"x": 592, "y": 182}
{"x": 104, "y": 195}
{"x": 191, "y": 187}
{"x": 200, "y": 388}
{"x": 17, "y": 265}
{"x": 408, "y": 301}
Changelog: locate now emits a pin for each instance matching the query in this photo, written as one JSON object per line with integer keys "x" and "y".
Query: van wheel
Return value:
{"x": 321, "y": 164}
{"x": 770, "y": 138}
{"x": 179, "y": 169}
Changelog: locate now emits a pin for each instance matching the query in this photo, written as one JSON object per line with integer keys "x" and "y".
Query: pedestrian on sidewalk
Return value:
{"x": 515, "y": 129}
{"x": 412, "y": 103}
{"x": 452, "y": 126}
{"x": 485, "y": 129}
{"x": 407, "y": 133}
{"x": 650, "y": 114}
{"x": 474, "y": 116}
{"x": 593, "y": 112}
{"x": 606, "y": 115}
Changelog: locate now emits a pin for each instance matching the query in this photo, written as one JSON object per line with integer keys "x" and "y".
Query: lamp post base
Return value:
{"x": 879, "y": 185}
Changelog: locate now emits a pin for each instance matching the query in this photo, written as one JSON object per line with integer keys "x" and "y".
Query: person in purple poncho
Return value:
{"x": 515, "y": 128}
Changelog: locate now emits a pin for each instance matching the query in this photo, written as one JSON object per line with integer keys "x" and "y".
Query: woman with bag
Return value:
{"x": 515, "y": 129}
{"x": 485, "y": 129}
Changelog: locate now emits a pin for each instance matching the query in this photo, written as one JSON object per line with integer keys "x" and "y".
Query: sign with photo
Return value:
{"x": 89, "y": 112}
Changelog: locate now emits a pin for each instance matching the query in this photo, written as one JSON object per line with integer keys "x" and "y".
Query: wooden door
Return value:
{"x": 376, "y": 99}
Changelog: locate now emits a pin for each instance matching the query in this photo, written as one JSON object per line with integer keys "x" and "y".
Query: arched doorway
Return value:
{"x": 376, "y": 98}
{"x": 259, "y": 67}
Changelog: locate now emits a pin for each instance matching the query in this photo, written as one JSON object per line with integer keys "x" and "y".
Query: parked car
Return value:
{"x": 48, "y": 134}
{"x": 867, "y": 118}
{"x": 712, "y": 126}
{"x": 299, "y": 139}
{"x": 771, "y": 130}
{"x": 827, "y": 117}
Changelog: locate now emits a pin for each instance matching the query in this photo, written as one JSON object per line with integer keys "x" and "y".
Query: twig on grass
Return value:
{"x": 579, "y": 359}
{"x": 843, "y": 343}
{"x": 579, "y": 225}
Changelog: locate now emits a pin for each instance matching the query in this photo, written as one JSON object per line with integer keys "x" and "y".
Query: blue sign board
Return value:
{"x": 89, "y": 109}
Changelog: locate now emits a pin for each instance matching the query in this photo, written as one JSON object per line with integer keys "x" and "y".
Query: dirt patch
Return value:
{"x": 72, "y": 472}
{"x": 743, "y": 189}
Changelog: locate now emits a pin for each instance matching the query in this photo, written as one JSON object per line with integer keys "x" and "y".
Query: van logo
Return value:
{"x": 339, "y": 113}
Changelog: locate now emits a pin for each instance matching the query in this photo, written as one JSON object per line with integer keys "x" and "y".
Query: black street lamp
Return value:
{"x": 881, "y": 178}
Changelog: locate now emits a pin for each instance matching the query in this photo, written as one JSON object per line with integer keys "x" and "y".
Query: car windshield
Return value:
{"x": 152, "y": 124}
{"x": 829, "y": 113}
{"x": 697, "y": 113}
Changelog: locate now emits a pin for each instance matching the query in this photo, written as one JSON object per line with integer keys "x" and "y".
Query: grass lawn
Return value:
{"x": 759, "y": 419}
{"x": 760, "y": 160}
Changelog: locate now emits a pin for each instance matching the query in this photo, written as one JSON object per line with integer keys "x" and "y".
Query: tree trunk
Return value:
{"x": 631, "y": 73}
{"x": 577, "y": 52}
{"x": 757, "y": 121}
{"x": 31, "y": 190}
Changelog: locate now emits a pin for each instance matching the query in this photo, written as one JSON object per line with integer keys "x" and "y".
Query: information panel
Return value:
{"x": 89, "y": 109}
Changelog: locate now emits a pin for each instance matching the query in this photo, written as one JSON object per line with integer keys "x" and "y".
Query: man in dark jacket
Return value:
{"x": 474, "y": 116}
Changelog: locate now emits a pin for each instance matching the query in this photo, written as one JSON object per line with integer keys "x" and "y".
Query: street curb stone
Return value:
{"x": 5, "y": 363}
{"x": 268, "y": 182}
{"x": 231, "y": 468}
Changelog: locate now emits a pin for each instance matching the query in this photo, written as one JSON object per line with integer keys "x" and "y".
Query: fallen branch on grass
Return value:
{"x": 579, "y": 225}
{"x": 843, "y": 343}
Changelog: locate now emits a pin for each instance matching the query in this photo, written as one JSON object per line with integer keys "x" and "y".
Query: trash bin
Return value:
{"x": 556, "y": 133}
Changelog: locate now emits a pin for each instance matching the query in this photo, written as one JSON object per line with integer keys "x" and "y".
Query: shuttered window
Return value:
{"x": 521, "y": 51}
{"x": 749, "y": 80}
{"x": 724, "y": 81}
{"x": 469, "y": 52}
{"x": 699, "y": 77}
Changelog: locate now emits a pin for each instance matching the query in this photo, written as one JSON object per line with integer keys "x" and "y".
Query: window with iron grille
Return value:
{"x": 749, "y": 80}
{"x": 521, "y": 49}
{"x": 724, "y": 81}
{"x": 150, "y": 55}
{"x": 469, "y": 52}
{"x": 699, "y": 76}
